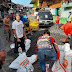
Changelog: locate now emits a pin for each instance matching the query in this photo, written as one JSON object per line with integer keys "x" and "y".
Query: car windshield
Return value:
{"x": 45, "y": 15}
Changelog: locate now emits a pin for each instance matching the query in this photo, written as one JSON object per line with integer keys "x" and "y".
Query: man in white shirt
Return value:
{"x": 19, "y": 33}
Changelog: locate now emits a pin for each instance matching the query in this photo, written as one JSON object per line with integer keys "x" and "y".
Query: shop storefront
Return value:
{"x": 56, "y": 7}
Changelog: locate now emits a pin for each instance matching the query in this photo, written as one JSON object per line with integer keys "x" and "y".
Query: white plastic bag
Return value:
{"x": 67, "y": 47}
{"x": 12, "y": 46}
{"x": 32, "y": 59}
{"x": 21, "y": 69}
{"x": 58, "y": 67}
{"x": 68, "y": 53}
{"x": 16, "y": 63}
{"x": 62, "y": 53}
{"x": 27, "y": 68}
{"x": 47, "y": 66}
{"x": 27, "y": 44}
{"x": 68, "y": 63}
{"x": 22, "y": 62}
{"x": 68, "y": 58}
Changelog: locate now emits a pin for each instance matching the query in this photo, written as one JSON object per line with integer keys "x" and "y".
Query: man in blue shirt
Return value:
{"x": 24, "y": 19}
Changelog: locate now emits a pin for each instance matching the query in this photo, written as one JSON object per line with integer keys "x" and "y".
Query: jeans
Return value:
{"x": 42, "y": 54}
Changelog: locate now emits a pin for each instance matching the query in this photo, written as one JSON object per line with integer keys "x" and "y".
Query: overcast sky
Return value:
{"x": 23, "y": 2}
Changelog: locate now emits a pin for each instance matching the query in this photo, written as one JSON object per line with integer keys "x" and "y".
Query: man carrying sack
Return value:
{"x": 47, "y": 47}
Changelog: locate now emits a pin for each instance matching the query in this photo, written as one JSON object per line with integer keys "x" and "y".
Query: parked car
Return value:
{"x": 45, "y": 18}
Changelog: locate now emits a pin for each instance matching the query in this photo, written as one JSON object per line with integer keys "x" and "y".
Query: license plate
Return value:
{"x": 46, "y": 23}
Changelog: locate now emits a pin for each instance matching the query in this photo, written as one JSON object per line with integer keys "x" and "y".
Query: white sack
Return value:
{"x": 16, "y": 63}
{"x": 67, "y": 47}
{"x": 47, "y": 66}
{"x": 58, "y": 67}
{"x": 27, "y": 44}
{"x": 62, "y": 53}
{"x": 32, "y": 59}
{"x": 12, "y": 46}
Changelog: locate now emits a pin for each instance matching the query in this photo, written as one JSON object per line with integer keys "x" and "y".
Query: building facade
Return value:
{"x": 35, "y": 3}
{"x": 55, "y": 5}
{"x": 66, "y": 8}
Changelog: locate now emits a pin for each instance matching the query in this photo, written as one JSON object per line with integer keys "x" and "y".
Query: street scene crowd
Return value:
{"x": 34, "y": 43}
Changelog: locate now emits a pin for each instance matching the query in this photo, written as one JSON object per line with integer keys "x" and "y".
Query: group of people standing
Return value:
{"x": 19, "y": 36}
{"x": 18, "y": 29}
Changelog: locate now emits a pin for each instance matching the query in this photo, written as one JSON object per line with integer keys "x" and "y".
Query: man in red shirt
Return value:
{"x": 47, "y": 47}
{"x": 67, "y": 30}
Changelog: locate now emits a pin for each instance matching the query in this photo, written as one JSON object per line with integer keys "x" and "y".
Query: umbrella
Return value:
{"x": 68, "y": 28}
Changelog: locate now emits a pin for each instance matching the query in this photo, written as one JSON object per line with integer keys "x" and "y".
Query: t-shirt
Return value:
{"x": 23, "y": 20}
{"x": 68, "y": 28}
{"x": 57, "y": 20}
{"x": 25, "y": 17}
{"x": 7, "y": 22}
{"x": 18, "y": 26}
{"x": 45, "y": 42}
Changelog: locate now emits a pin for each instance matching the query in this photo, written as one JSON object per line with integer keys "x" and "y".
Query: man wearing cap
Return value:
{"x": 69, "y": 17}
{"x": 19, "y": 33}
{"x": 7, "y": 27}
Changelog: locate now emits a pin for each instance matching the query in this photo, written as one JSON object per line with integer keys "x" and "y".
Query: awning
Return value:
{"x": 58, "y": 5}
{"x": 33, "y": 1}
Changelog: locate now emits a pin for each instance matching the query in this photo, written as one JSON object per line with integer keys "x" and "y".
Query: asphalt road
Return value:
{"x": 57, "y": 34}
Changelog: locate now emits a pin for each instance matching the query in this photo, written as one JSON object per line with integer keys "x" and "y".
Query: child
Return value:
{"x": 19, "y": 33}
{"x": 57, "y": 21}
